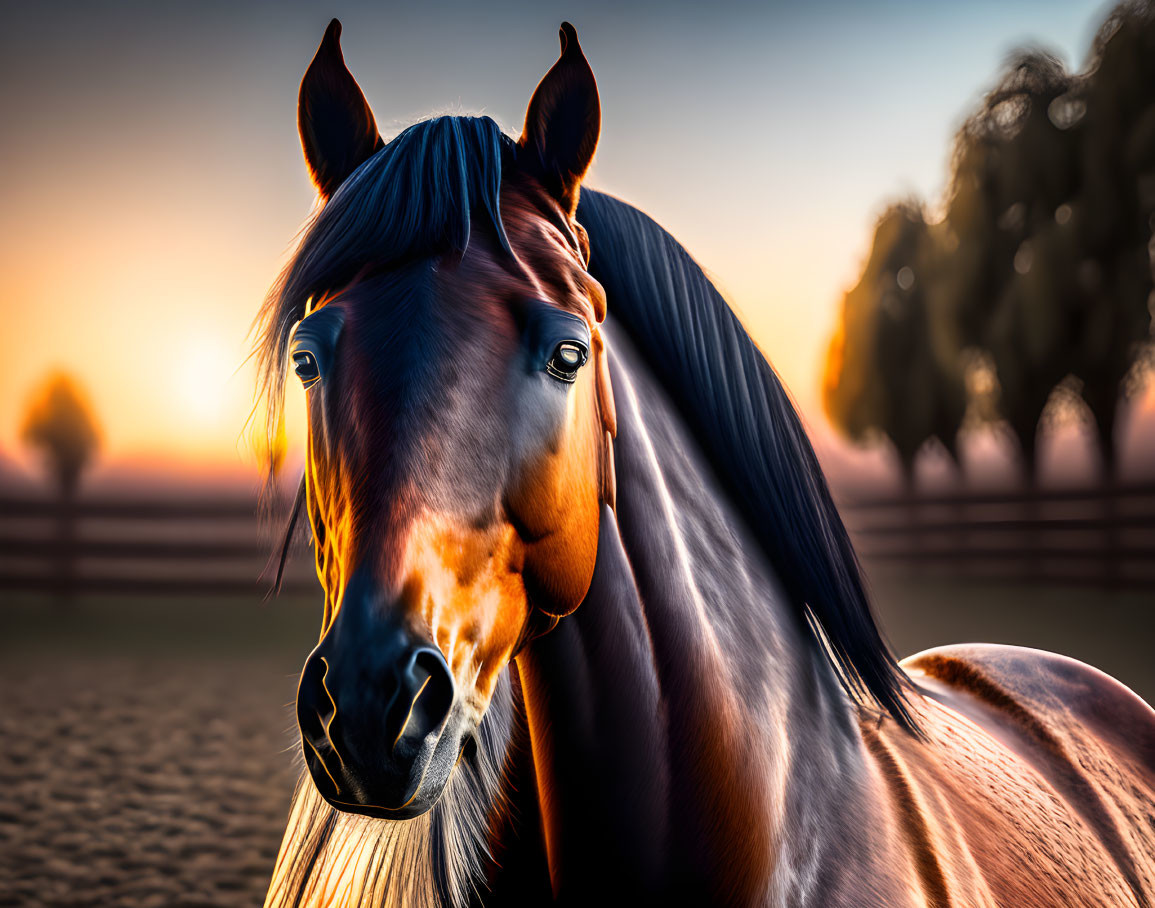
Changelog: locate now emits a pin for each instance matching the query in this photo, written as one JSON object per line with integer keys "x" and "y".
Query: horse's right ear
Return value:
{"x": 338, "y": 131}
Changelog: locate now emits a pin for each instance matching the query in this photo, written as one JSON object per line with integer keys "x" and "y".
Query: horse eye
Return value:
{"x": 566, "y": 360}
{"x": 306, "y": 367}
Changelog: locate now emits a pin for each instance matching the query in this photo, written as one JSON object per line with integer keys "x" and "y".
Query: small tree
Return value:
{"x": 59, "y": 424}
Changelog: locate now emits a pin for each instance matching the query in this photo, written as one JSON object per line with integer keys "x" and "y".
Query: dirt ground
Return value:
{"x": 145, "y": 785}
{"x": 137, "y": 773}
{"x": 147, "y": 750}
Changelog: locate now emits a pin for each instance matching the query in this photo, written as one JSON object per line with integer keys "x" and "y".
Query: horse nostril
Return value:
{"x": 316, "y": 709}
{"x": 427, "y": 696}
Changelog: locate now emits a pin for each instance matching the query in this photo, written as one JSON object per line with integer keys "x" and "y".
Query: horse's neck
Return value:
{"x": 659, "y": 711}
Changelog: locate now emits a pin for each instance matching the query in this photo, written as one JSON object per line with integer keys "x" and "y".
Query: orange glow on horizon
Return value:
{"x": 160, "y": 346}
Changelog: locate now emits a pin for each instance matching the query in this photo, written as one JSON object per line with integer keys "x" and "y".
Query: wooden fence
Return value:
{"x": 1103, "y": 537}
{"x": 150, "y": 546}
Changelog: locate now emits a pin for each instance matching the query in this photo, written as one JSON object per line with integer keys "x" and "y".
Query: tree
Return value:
{"x": 60, "y": 425}
{"x": 1116, "y": 208}
{"x": 1042, "y": 263}
{"x": 885, "y": 372}
{"x": 1006, "y": 279}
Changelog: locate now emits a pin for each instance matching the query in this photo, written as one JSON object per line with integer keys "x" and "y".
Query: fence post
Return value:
{"x": 66, "y": 548}
{"x": 1113, "y": 537}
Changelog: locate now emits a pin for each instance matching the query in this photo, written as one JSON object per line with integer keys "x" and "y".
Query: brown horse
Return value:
{"x": 593, "y": 630}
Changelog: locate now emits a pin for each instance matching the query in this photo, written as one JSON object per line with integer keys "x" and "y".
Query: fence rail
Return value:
{"x": 151, "y": 546}
{"x": 201, "y": 546}
{"x": 1095, "y": 536}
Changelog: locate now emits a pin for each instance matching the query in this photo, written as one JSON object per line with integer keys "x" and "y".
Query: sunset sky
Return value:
{"x": 152, "y": 182}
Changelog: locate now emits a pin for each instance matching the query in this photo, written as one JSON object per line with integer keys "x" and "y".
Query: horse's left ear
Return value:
{"x": 563, "y": 122}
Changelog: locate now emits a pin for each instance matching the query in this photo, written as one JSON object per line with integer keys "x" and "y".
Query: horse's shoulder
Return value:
{"x": 1048, "y": 696}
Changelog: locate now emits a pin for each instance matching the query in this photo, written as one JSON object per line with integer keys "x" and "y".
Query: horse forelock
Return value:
{"x": 438, "y": 859}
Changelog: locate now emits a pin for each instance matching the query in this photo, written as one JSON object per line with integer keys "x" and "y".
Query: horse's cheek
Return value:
{"x": 560, "y": 566}
{"x": 559, "y": 571}
{"x": 553, "y": 499}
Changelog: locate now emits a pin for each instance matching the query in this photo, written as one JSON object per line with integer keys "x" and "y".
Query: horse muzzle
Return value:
{"x": 377, "y": 712}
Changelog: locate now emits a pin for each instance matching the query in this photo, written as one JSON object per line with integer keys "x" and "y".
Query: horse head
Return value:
{"x": 460, "y": 419}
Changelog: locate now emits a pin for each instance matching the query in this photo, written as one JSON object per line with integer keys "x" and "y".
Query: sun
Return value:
{"x": 202, "y": 370}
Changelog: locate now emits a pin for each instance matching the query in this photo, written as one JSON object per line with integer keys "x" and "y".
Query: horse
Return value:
{"x": 593, "y": 630}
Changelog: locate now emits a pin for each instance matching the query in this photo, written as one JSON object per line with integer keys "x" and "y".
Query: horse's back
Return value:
{"x": 1047, "y": 767}
{"x": 1044, "y": 692}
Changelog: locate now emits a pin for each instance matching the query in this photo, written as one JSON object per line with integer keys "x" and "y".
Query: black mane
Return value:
{"x": 743, "y": 417}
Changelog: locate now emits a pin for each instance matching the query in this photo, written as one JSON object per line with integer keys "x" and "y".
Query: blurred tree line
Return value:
{"x": 1032, "y": 295}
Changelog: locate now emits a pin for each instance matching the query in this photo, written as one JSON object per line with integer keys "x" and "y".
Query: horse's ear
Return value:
{"x": 563, "y": 122}
{"x": 338, "y": 131}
